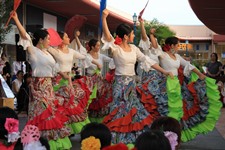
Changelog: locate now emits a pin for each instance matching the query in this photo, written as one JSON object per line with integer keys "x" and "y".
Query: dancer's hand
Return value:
{"x": 152, "y": 31}
{"x": 105, "y": 13}
{"x": 77, "y": 33}
{"x": 202, "y": 76}
{"x": 99, "y": 66}
{"x": 14, "y": 14}
{"x": 170, "y": 74}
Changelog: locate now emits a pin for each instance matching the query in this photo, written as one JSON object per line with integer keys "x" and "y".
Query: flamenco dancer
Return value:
{"x": 192, "y": 100}
{"x": 127, "y": 118}
{"x": 72, "y": 96}
{"x": 99, "y": 106}
{"x": 42, "y": 112}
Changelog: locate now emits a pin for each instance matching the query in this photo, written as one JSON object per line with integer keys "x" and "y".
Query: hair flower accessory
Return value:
{"x": 118, "y": 40}
{"x": 166, "y": 48}
{"x": 91, "y": 143}
{"x": 30, "y": 138}
{"x": 172, "y": 137}
{"x": 87, "y": 47}
{"x": 119, "y": 146}
{"x": 12, "y": 126}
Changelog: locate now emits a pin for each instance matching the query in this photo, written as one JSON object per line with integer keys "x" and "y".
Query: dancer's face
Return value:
{"x": 97, "y": 47}
{"x": 66, "y": 39}
{"x": 131, "y": 37}
{"x": 45, "y": 42}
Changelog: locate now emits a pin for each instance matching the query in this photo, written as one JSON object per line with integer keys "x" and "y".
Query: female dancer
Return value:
{"x": 99, "y": 106}
{"x": 42, "y": 112}
{"x": 152, "y": 87}
{"x": 72, "y": 96}
{"x": 190, "y": 101}
{"x": 127, "y": 118}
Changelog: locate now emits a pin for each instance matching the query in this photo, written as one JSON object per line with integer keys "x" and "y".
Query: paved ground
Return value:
{"x": 214, "y": 140}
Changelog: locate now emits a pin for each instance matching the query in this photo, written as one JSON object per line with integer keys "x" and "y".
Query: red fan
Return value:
{"x": 15, "y": 6}
{"x": 75, "y": 22}
{"x": 55, "y": 39}
{"x": 141, "y": 13}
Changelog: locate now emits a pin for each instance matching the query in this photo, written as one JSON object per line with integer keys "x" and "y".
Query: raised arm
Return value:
{"x": 152, "y": 38}
{"x": 76, "y": 36}
{"x": 143, "y": 31}
{"x": 21, "y": 29}
{"x": 105, "y": 28}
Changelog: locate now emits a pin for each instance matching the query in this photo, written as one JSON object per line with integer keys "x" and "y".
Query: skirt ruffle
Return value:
{"x": 74, "y": 99}
{"x": 204, "y": 115}
{"x": 99, "y": 106}
{"x": 42, "y": 111}
{"x": 152, "y": 90}
{"x": 127, "y": 118}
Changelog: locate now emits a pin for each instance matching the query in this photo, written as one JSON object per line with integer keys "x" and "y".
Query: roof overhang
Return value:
{"x": 218, "y": 38}
{"x": 211, "y": 13}
{"x": 87, "y": 8}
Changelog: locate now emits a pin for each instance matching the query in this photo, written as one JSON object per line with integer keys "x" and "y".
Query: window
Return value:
{"x": 207, "y": 47}
{"x": 197, "y": 47}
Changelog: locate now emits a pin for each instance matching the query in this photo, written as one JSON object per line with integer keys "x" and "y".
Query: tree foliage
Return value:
{"x": 6, "y": 6}
{"x": 162, "y": 30}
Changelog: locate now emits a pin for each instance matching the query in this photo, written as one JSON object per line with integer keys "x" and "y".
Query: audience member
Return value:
{"x": 9, "y": 128}
{"x": 168, "y": 124}
{"x": 3, "y": 59}
{"x": 94, "y": 131}
{"x": 23, "y": 94}
{"x": 152, "y": 140}
{"x": 214, "y": 66}
{"x": 31, "y": 140}
{"x": 17, "y": 82}
{"x": 6, "y": 72}
{"x": 17, "y": 66}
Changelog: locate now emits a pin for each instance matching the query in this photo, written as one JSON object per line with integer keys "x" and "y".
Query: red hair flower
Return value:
{"x": 118, "y": 40}
{"x": 87, "y": 47}
{"x": 119, "y": 146}
{"x": 166, "y": 48}
{"x": 12, "y": 125}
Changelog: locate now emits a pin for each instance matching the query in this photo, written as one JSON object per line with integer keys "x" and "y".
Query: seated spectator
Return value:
{"x": 97, "y": 134}
{"x": 23, "y": 94}
{"x": 31, "y": 140}
{"x": 7, "y": 73}
{"x": 168, "y": 124}
{"x": 3, "y": 60}
{"x": 152, "y": 140}
{"x": 17, "y": 66}
{"x": 9, "y": 128}
{"x": 17, "y": 82}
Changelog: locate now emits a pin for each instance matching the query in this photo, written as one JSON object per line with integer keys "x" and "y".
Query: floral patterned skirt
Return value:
{"x": 152, "y": 90}
{"x": 72, "y": 101}
{"x": 127, "y": 118}
{"x": 99, "y": 106}
{"x": 42, "y": 111}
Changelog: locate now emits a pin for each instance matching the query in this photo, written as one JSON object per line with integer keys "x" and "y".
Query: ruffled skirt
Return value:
{"x": 44, "y": 115}
{"x": 127, "y": 118}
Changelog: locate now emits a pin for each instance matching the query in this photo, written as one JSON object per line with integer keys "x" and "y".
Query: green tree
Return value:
{"x": 6, "y": 6}
{"x": 162, "y": 30}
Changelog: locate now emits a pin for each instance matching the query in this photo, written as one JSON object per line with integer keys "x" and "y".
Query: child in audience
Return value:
{"x": 168, "y": 125}
{"x": 152, "y": 140}
{"x": 9, "y": 128}
{"x": 96, "y": 134}
{"x": 31, "y": 140}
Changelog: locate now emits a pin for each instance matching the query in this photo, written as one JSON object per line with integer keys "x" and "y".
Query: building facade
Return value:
{"x": 199, "y": 42}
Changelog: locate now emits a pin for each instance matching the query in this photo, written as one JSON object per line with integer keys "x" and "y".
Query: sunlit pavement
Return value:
{"x": 214, "y": 140}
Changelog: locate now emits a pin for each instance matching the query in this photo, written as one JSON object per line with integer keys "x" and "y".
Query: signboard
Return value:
{"x": 184, "y": 46}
